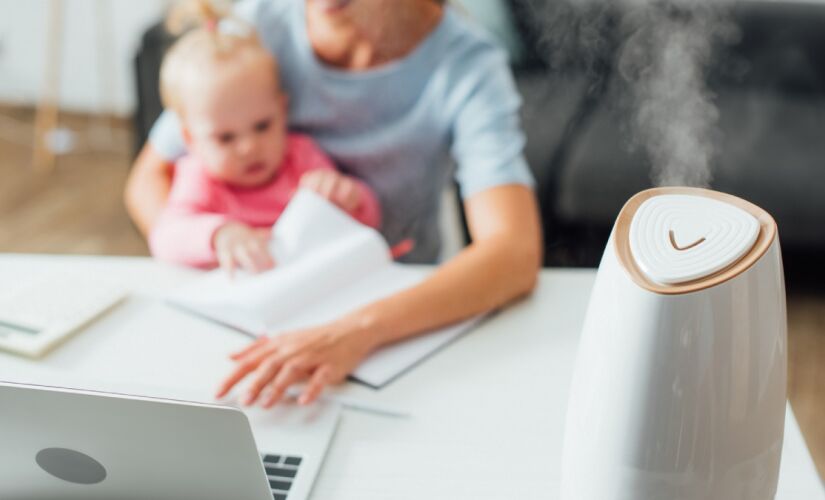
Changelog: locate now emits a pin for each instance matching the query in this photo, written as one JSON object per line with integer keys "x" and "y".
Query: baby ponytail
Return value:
{"x": 191, "y": 14}
{"x": 209, "y": 35}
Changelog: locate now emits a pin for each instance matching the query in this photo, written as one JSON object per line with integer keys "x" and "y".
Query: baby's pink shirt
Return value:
{"x": 198, "y": 204}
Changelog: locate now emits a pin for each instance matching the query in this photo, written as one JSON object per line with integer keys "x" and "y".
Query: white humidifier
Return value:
{"x": 679, "y": 386}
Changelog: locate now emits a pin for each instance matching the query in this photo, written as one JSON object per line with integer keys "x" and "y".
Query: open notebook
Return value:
{"x": 328, "y": 264}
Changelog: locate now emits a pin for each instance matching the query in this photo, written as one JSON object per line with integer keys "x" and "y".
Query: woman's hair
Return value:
{"x": 210, "y": 36}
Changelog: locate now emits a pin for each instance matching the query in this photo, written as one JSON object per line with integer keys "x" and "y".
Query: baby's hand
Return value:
{"x": 338, "y": 188}
{"x": 238, "y": 245}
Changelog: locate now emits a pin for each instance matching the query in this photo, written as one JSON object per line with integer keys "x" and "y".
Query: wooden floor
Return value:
{"x": 806, "y": 368}
{"x": 78, "y": 209}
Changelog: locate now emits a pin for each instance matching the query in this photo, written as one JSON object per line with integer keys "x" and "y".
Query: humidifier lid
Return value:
{"x": 678, "y": 238}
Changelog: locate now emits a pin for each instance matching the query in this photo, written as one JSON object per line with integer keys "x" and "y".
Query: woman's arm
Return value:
{"x": 147, "y": 188}
{"x": 500, "y": 265}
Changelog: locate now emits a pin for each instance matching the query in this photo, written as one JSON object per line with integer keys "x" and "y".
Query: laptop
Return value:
{"x": 71, "y": 444}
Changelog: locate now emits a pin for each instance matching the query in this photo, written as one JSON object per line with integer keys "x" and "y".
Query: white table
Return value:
{"x": 488, "y": 411}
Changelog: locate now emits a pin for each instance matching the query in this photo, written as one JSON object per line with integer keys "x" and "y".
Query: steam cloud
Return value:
{"x": 665, "y": 49}
{"x": 666, "y": 59}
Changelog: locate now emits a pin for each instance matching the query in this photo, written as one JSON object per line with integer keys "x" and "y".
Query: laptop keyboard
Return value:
{"x": 281, "y": 471}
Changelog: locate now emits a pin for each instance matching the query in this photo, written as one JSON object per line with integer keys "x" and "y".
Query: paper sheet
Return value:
{"x": 328, "y": 264}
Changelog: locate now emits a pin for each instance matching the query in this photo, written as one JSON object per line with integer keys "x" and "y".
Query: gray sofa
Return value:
{"x": 769, "y": 87}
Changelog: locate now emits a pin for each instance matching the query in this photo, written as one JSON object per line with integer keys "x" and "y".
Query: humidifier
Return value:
{"x": 679, "y": 387}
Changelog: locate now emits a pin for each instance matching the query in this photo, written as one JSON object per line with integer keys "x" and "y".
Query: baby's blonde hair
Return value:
{"x": 206, "y": 42}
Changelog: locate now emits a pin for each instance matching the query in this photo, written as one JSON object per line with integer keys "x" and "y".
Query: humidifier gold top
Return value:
{"x": 681, "y": 240}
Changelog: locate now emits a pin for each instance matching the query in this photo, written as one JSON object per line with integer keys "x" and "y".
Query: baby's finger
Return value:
{"x": 345, "y": 195}
{"x": 311, "y": 180}
{"x": 259, "y": 254}
{"x": 266, "y": 258}
{"x": 264, "y": 233}
{"x": 327, "y": 185}
{"x": 226, "y": 262}
{"x": 245, "y": 259}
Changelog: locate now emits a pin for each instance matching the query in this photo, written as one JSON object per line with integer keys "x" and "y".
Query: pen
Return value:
{"x": 355, "y": 404}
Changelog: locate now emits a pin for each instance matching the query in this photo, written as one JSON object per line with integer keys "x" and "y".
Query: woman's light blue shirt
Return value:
{"x": 397, "y": 126}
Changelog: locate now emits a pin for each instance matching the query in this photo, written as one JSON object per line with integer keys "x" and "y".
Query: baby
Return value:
{"x": 243, "y": 166}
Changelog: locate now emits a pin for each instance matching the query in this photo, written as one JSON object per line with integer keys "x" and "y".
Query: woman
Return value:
{"x": 390, "y": 89}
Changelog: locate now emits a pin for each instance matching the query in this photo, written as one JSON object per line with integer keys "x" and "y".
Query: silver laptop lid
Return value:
{"x": 72, "y": 444}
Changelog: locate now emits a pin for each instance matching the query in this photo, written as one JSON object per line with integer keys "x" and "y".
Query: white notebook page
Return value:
{"x": 327, "y": 265}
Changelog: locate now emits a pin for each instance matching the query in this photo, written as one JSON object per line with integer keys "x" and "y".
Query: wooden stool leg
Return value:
{"x": 46, "y": 119}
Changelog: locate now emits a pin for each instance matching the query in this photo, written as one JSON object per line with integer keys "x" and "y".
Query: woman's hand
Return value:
{"x": 238, "y": 245}
{"x": 340, "y": 189}
{"x": 320, "y": 356}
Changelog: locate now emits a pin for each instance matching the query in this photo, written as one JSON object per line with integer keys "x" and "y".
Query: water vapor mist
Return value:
{"x": 665, "y": 59}
{"x": 661, "y": 50}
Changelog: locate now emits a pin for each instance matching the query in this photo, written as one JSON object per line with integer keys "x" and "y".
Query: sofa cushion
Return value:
{"x": 769, "y": 87}
{"x": 782, "y": 48}
{"x": 566, "y": 34}
{"x": 552, "y": 102}
{"x": 771, "y": 153}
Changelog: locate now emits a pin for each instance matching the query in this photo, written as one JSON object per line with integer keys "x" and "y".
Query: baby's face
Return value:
{"x": 235, "y": 122}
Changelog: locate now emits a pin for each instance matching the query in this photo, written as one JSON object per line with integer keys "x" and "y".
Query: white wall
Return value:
{"x": 23, "y": 42}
